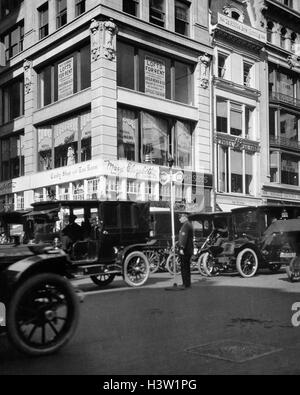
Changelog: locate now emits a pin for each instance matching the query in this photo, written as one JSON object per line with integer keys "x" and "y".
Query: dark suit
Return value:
{"x": 185, "y": 244}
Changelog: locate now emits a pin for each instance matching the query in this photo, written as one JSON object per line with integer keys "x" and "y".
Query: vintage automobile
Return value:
{"x": 243, "y": 250}
{"x": 160, "y": 240}
{"x": 207, "y": 227}
{"x": 42, "y": 306}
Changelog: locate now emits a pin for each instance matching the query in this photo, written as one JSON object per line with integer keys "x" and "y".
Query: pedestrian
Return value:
{"x": 186, "y": 249}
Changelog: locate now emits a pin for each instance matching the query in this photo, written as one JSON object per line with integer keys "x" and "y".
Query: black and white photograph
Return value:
{"x": 149, "y": 190}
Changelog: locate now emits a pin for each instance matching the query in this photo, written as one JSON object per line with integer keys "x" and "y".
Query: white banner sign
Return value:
{"x": 155, "y": 76}
{"x": 65, "y": 77}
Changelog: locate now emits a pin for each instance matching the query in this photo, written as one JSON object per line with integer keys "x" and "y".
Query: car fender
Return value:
{"x": 238, "y": 248}
{"x": 19, "y": 271}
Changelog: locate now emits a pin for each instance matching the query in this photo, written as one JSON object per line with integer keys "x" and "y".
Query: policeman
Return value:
{"x": 186, "y": 247}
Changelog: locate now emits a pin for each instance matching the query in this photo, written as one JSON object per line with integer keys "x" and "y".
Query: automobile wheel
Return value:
{"x": 153, "y": 259}
{"x": 274, "y": 268}
{"x": 42, "y": 314}
{"x": 208, "y": 264}
{"x": 136, "y": 269}
{"x": 103, "y": 279}
{"x": 247, "y": 262}
{"x": 170, "y": 264}
{"x": 200, "y": 266}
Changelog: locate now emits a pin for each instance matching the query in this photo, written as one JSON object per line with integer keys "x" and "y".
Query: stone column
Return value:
{"x": 30, "y": 84}
{"x": 52, "y": 15}
{"x": 70, "y": 10}
{"x": 276, "y": 34}
{"x": 104, "y": 89}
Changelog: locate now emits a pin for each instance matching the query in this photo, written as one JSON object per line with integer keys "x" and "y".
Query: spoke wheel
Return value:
{"x": 153, "y": 259}
{"x": 209, "y": 265}
{"x": 170, "y": 264}
{"x": 103, "y": 279}
{"x": 247, "y": 262}
{"x": 200, "y": 266}
{"x": 136, "y": 269}
{"x": 42, "y": 314}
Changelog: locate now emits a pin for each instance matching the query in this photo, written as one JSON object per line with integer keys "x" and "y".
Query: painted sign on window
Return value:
{"x": 65, "y": 76}
{"x": 155, "y": 76}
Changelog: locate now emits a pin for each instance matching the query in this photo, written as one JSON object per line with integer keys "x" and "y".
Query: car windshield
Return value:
{"x": 245, "y": 222}
{"x": 15, "y": 229}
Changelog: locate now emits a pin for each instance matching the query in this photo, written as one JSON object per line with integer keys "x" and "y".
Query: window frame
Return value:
{"x": 43, "y": 27}
{"x": 157, "y": 16}
{"x": 11, "y": 160}
{"x": 186, "y": 5}
{"x": 172, "y": 143}
{"x": 80, "y": 7}
{"x": 136, "y": 4}
{"x": 61, "y": 13}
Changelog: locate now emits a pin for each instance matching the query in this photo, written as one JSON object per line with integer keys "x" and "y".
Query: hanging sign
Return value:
{"x": 65, "y": 78}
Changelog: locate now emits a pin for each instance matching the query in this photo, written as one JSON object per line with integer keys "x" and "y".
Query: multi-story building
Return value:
{"x": 282, "y": 156}
{"x": 96, "y": 96}
{"x": 238, "y": 105}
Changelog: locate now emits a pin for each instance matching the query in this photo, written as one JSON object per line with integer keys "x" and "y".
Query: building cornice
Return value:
{"x": 121, "y": 19}
{"x": 235, "y": 88}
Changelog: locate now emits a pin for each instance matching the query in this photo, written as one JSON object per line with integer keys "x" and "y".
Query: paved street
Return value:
{"x": 223, "y": 325}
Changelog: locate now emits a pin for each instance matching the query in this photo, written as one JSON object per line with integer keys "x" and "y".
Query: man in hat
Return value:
{"x": 186, "y": 248}
{"x": 71, "y": 233}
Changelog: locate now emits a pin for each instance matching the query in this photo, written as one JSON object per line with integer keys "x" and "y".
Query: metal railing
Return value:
{"x": 283, "y": 98}
{"x": 284, "y": 142}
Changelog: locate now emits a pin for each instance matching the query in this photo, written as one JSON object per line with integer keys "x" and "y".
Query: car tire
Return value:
{"x": 200, "y": 266}
{"x": 154, "y": 260}
{"x": 103, "y": 279}
{"x": 247, "y": 262}
{"x": 136, "y": 269}
{"x": 35, "y": 307}
{"x": 170, "y": 264}
{"x": 208, "y": 264}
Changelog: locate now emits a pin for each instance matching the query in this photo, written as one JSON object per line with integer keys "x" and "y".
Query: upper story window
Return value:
{"x": 154, "y": 74}
{"x": 12, "y": 157}
{"x": 248, "y": 74}
{"x": 288, "y": 3}
{"x": 65, "y": 77}
{"x": 157, "y": 13}
{"x": 234, "y": 13}
{"x": 270, "y": 27}
{"x": 13, "y": 40}
{"x": 12, "y": 101}
{"x": 43, "y": 21}
{"x": 61, "y": 13}
{"x": 131, "y": 7}
{"x": 65, "y": 143}
{"x": 151, "y": 138}
{"x": 235, "y": 119}
{"x": 8, "y": 6}
{"x": 283, "y": 37}
{"x": 223, "y": 65}
{"x": 79, "y": 7}
{"x": 182, "y": 17}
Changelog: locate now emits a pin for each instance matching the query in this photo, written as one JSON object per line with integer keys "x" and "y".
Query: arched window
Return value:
{"x": 283, "y": 37}
{"x": 235, "y": 15}
{"x": 270, "y": 27}
{"x": 293, "y": 41}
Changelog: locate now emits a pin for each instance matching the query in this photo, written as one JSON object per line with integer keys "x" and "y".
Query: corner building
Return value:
{"x": 95, "y": 97}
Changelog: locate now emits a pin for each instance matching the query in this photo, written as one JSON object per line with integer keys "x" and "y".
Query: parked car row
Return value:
{"x": 42, "y": 249}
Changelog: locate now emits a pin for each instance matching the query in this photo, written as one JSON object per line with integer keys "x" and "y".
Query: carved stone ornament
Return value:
{"x": 204, "y": 70}
{"x": 95, "y": 40}
{"x": 27, "y": 67}
{"x": 260, "y": 7}
{"x": 293, "y": 61}
{"x": 110, "y": 31}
